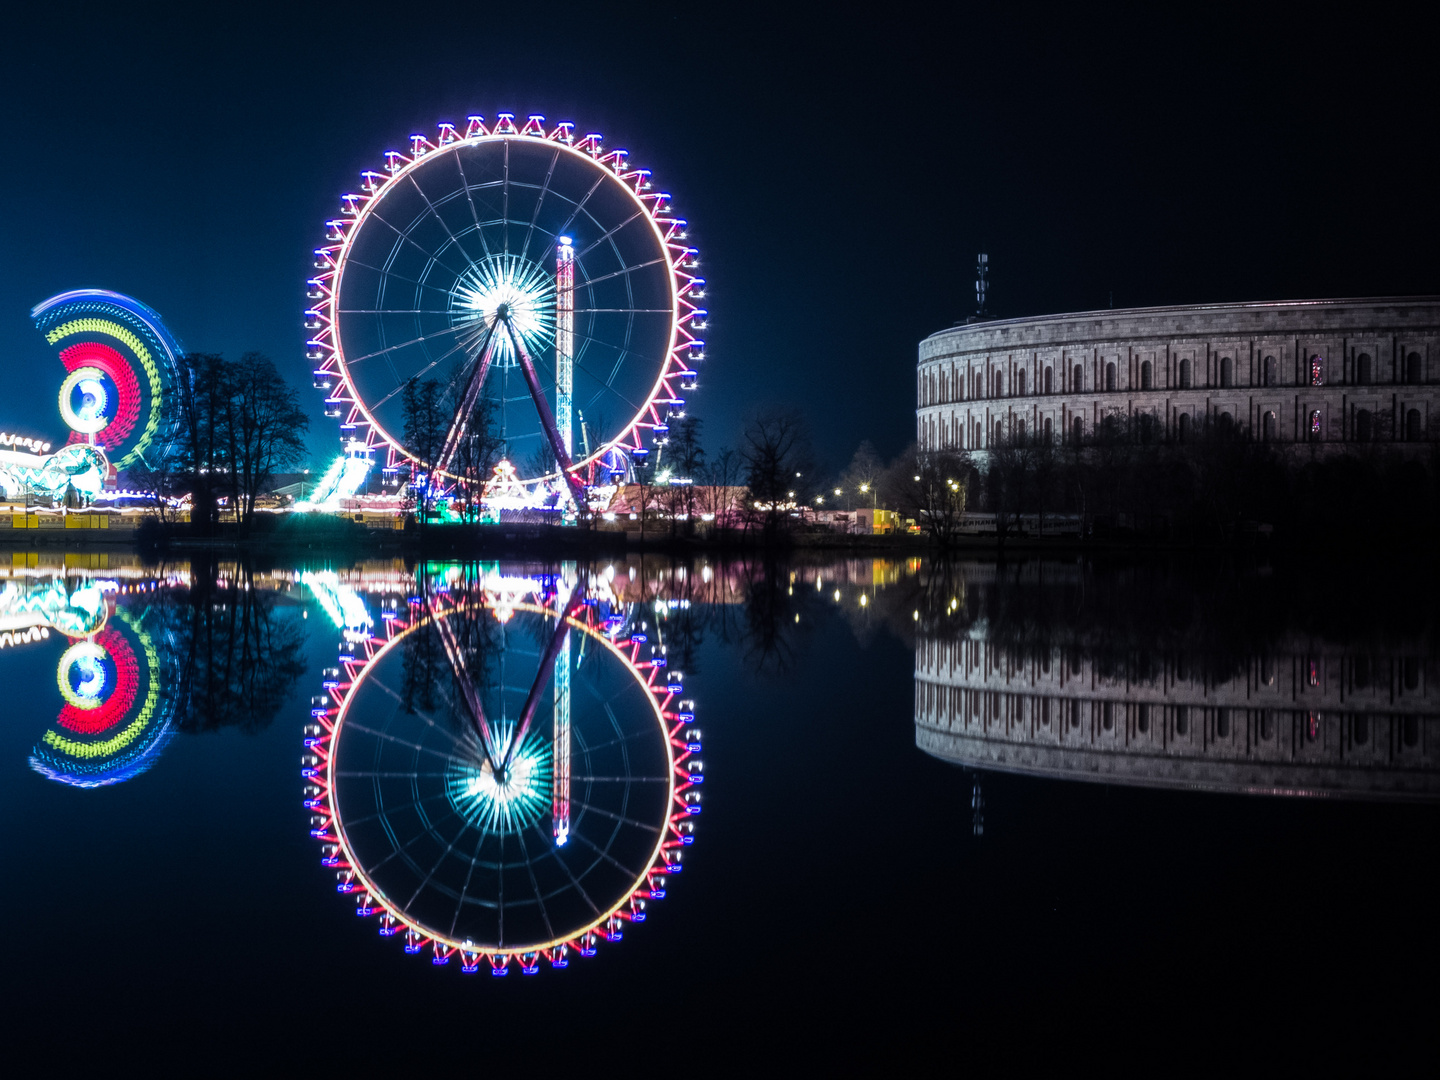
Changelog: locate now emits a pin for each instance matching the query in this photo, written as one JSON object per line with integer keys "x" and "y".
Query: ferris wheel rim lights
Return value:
{"x": 334, "y": 831}
{"x": 683, "y": 349}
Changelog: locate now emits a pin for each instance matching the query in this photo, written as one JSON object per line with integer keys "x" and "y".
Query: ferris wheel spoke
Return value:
{"x": 624, "y": 779}
{"x": 459, "y": 328}
{"x": 469, "y": 876}
{"x": 430, "y": 256}
{"x": 620, "y": 273}
{"x": 605, "y": 854}
{"x": 387, "y": 273}
{"x": 534, "y": 884}
{"x": 539, "y": 202}
{"x": 436, "y": 215}
{"x": 455, "y": 740}
{"x": 474, "y": 214}
{"x": 580, "y": 206}
{"x": 431, "y": 875}
{"x": 394, "y": 311}
{"x": 505, "y": 203}
{"x": 400, "y": 383}
{"x": 575, "y": 881}
{"x": 607, "y": 235}
{"x": 641, "y": 825}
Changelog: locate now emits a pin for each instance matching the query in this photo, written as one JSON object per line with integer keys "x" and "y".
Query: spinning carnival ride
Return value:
{"x": 486, "y": 792}
{"x": 122, "y": 374}
{"x": 522, "y": 264}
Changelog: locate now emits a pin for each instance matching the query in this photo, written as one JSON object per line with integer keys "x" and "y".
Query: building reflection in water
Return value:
{"x": 503, "y": 769}
{"x": 1061, "y": 672}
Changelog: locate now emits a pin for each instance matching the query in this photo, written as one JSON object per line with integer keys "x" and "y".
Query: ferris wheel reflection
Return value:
{"x": 504, "y": 770}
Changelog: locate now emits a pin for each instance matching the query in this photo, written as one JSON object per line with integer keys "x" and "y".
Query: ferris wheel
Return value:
{"x": 517, "y": 263}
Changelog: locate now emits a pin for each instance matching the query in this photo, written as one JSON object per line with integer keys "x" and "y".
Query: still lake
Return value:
{"x": 370, "y": 813}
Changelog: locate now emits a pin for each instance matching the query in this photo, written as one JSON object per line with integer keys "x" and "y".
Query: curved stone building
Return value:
{"x": 1329, "y": 371}
{"x": 1305, "y": 719}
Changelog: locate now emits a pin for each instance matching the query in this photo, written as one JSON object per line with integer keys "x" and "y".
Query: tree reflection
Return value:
{"x": 238, "y": 657}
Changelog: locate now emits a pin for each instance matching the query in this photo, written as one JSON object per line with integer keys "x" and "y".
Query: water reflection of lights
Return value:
{"x": 465, "y": 828}
{"x": 507, "y": 805}
{"x": 116, "y": 720}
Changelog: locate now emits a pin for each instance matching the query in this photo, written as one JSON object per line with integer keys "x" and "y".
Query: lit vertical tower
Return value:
{"x": 560, "y": 765}
{"x": 564, "y": 338}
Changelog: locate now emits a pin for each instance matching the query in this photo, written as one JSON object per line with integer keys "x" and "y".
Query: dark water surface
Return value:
{"x": 1100, "y": 810}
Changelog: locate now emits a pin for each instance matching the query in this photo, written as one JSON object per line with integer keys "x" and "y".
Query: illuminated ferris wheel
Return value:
{"x": 522, "y": 264}
{"x": 503, "y": 774}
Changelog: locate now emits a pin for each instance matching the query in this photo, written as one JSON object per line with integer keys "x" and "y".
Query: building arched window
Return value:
{"x": 1142, "y": 718}
{"x": 1413, "y": 369}
{"x": 1185, "y": 374}
{"x": 1317, "y": 370}
{"x": 1047, "y": 431}
{"x": 1020, "y": 382}
{"x": 1222, "y": 723}
{"x": 1182, "y": 720}
{"x": 999, "y": 384}
{"x": 1107, "y": 716}
{"x": 1227, "y": 371}
{"x": 1268, "y": 426}
{"x": 1315, "y": 425}
{"x": 1360, "y": 729}
{"x": 1363, "y": 426}
{"x": 1077, "y": 430}
{"x": 1413, "y": 425}
{"x": 999, "y": 432}
{"x": 1147, "y": 376}
{"x": 1267, "y": 725}
{"x": 1363, "y": 375}
{"x": 1226, "y": 423}
{"x": 1268, "y": 371}
{"x": 1077, "y": 383}
{"x": 1049, "y": 380}
{"x": 1020, "y": 431}
{"x": 1109, "y": 376}
{"x": 1182, "y": 426}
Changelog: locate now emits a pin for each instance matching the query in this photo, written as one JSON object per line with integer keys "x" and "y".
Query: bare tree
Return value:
{"x": 779, "y": 469}
{"x": 427, "y": 424}
{"x": 266, "y": 429}
{"x": 862, "y": 475}
{"x": 931, "y": 486}
{"x": 686, "y": 458}
{"x": 204, "y": 417}
{"x": 477, "y": 454}
{"x": 721, "y": 476}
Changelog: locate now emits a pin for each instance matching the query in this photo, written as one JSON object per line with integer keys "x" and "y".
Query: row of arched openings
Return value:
{"x": 1411, "y": 372}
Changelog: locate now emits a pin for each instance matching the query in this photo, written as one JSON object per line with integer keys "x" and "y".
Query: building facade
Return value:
{"x": 1326, "y": 371}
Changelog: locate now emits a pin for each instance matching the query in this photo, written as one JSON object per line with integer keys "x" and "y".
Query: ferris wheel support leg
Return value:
{"x": 547, "y": 419}
{"x": 467, "y": 404}
{"x": 560, "y": 638}
{"x": 467, "y": 687}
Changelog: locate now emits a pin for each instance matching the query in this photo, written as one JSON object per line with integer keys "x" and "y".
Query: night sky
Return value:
{"x": 839, "y": 172}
